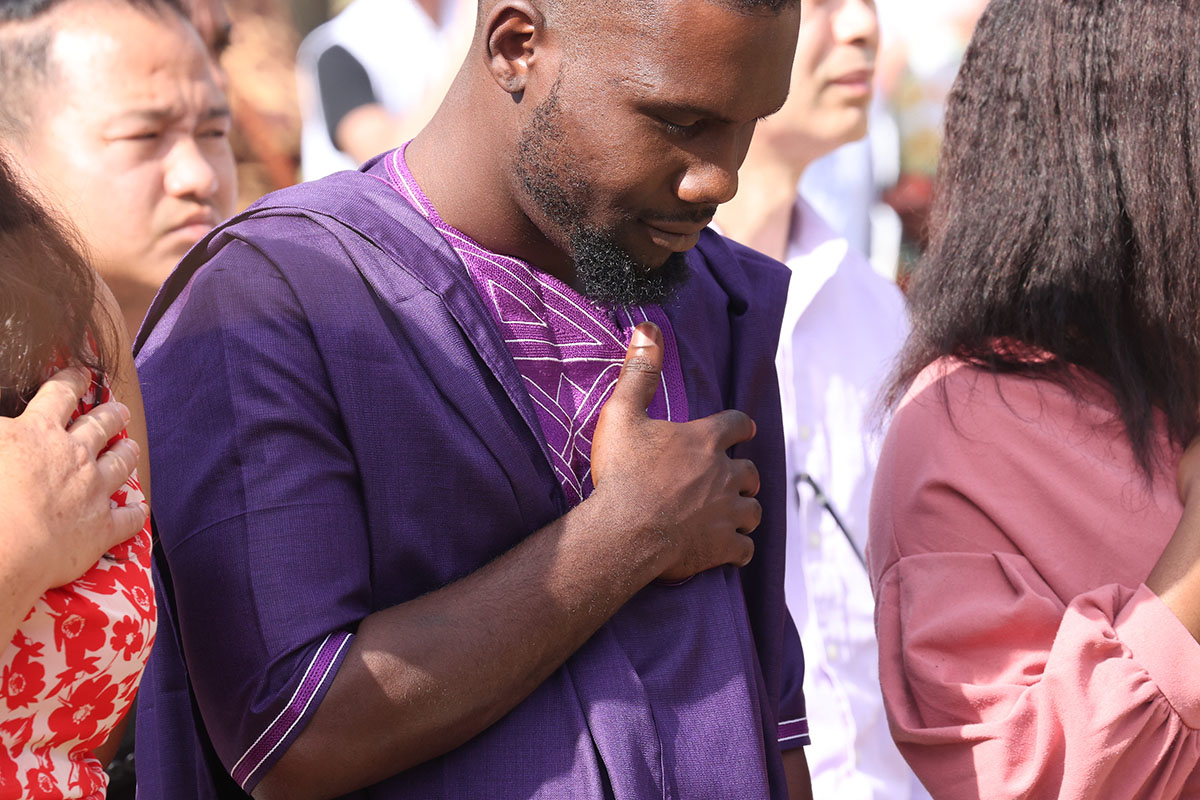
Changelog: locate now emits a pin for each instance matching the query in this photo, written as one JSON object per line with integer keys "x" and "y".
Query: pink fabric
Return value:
{"x": 1020, "y": 653}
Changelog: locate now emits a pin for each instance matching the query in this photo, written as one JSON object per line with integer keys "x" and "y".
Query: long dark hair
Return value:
{"x": 1066, "y": 230}
{"x": 48, "y": 311}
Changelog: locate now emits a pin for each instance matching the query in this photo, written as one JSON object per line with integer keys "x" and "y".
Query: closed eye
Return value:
{"x": 682, "y": 129}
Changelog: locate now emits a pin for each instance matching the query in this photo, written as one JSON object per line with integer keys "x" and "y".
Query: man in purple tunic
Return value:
{"x": 468, "y": 466}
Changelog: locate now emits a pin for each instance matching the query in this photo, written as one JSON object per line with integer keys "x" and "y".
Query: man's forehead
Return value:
{"x": 702, "y": 53}
{"x": 108, "y": 51}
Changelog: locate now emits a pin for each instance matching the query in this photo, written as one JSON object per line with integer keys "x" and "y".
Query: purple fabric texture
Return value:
{"x": 338, "y": 426}
{"x": 568, "y": 350}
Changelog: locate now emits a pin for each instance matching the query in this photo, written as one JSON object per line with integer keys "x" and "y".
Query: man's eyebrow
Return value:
{"x": 688, "y": 109}
{"x": 159, "y": 115}
{"x": 216, "y": 112}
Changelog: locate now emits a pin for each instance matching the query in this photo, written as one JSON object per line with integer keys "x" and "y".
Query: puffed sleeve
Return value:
{"x": 268, "y": 563}
{"x": 1020, "y": 654}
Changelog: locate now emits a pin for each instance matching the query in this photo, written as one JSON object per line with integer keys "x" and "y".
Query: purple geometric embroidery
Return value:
{"x": 567, "y": 349}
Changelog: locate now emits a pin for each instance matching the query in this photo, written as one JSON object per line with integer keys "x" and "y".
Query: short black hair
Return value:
{"x": 25, "y": 54}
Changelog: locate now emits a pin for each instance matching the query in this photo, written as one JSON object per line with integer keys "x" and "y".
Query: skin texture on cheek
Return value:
{"x": 558, "y": 186}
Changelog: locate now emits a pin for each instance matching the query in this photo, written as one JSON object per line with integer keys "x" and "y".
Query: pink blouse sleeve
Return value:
{"x": 999, "y": 680}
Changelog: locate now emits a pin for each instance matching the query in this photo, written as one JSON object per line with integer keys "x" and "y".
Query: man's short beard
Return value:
{"x": 606, "y": 272}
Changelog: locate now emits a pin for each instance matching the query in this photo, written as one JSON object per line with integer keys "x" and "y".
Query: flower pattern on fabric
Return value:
{"x": 72, "y": 669}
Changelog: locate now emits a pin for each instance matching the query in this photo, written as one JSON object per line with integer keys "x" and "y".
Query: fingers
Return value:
{"x": 58, "y": 397}
{"x": 745, "y": 477}
{"x": 127, "y": 521}
{"x": 641, "y": 372}
{"x": 96, "y": 428}
{"x": 117, "y": 464}
{"x": 741, "y": 550}
{"x": 730, "y": 428}
{"x": 747, "y": 515}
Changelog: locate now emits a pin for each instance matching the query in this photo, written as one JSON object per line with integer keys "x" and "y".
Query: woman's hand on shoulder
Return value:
{"x": 56, "y": 480}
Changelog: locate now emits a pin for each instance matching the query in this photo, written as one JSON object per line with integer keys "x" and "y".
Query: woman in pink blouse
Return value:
{"x": 1037, "y": 575}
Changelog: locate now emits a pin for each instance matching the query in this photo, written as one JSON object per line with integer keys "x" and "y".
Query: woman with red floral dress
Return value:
{"x": 77, "y": 606}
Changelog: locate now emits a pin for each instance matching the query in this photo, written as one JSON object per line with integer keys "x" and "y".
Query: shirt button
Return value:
{"x": 831, "y": 650}
{"x": 805, "y": 432}
{"x": 814, "y": 541}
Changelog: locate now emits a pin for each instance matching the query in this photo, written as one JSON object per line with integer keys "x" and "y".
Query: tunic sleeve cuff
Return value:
{"x": 794, "y": 733}
{"x": 273, "y": 742}
{"x": 1165, "y": 648}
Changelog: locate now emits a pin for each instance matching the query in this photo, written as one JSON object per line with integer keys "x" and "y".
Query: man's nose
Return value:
{"x": 855, "y": 22}
{"x": 188, "y": 171}
{"x": 709, "y": 181}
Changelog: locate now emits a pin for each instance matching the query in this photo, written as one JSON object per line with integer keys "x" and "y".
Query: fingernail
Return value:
{"x": 641, "y": 339}
{"x": 124, "y": 409}
{"x": 137, "y": 448}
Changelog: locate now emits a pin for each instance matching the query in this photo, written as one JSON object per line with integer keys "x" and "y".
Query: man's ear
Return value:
{"x": 513, "y": 31}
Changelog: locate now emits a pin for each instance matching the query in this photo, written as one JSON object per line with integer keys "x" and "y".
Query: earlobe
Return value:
{"x": 514, "y": 28}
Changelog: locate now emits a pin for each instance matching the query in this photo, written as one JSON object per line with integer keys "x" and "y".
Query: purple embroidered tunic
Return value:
{"x": 338, "y": 425}
{"x": 568, "y": 349}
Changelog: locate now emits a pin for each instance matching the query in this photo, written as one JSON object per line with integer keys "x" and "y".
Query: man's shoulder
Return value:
{"x": 309, "y": 224}
{"x": 318, "y": 238}
{"x": 747, "y": 277}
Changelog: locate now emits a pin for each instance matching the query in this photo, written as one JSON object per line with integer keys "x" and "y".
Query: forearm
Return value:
{"x": 1176, "y": 576}
{"x": 1022, "y": 661}
{"x": 424, "y": 677}
{"x": 795, "y": 767}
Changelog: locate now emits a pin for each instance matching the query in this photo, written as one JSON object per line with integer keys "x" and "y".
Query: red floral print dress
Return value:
{"x": 71, "y": 671}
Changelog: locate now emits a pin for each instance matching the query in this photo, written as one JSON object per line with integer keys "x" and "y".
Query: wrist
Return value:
{"x": 630, "y": 533}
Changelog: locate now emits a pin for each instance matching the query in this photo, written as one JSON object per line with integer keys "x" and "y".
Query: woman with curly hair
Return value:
{"x": 1035, "y": 533}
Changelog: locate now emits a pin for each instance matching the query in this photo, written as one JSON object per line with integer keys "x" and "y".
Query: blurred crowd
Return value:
{"x": 877, "y": 191}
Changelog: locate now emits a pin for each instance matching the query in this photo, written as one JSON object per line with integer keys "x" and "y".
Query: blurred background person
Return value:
{"x": 1035, "y": 532}
{"x": 253, "y": 43}
{"x": 842, "y": 329}
{"x": 361, "y": 93}
{"x": 921, "y": 53}
{"x": 77, "y": 614}
{"x": 112, "y": 110}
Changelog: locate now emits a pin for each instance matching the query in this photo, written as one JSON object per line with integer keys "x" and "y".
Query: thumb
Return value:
{"x": 641, "y": 372}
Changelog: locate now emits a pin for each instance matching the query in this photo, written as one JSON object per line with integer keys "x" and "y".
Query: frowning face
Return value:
{"x": 130, "y": 139}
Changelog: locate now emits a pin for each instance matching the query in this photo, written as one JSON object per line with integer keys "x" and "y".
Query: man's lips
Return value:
{"x": 195, "y": 225}
{"x": 676, "y": 236}
{"x": 860, "y": 79}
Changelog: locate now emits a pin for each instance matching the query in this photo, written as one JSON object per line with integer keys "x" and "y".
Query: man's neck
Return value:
{"x": 462, "y": 172}
{"x": 134, "y": 299}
